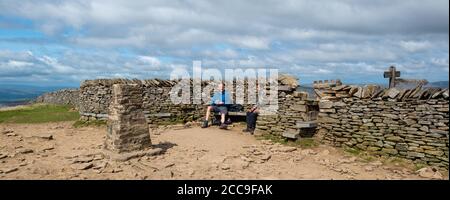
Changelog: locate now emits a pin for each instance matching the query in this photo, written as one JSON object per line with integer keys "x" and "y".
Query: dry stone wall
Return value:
{"x": 96, "y": 97}
{"x": 294, "y": 106}
{"x": 64, "y": 97}
{"x": 411, "y": 124}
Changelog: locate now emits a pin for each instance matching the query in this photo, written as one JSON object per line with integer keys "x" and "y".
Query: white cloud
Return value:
{"x": 150, "y": 60}
{"x": 15, "y": 63}
{"x": 414, "y": 46}
{"x": 443, "y": 62}
{"x": 322, "y": 71}
{"x": 345, "y": 53}
{"x": 226, "y": 53}
{"x": 324, "y": 37}
{"x": 250, "y": 42}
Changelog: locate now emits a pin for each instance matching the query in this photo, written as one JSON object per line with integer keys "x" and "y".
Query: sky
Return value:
{"x": 54, "y": 42}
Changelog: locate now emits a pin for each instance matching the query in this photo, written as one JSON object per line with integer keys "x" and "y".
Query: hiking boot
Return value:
{"x": 205, "y": 124}
{"x": 248, "y": 131}
{"x": 223, "y": 126}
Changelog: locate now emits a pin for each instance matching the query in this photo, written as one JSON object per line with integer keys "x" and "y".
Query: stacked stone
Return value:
{"x": 412, "y": 129}
{"x": 326, "y": 89}
{"x": 61, "y": 97}
{"x": 127, "y": 127}
{"x": 293, "y": 106}
{"x": 158, "y": 105}
{"x": 414, "y": 93}
{"x": 335, "y": 90}
{"x": 95, "y": 96}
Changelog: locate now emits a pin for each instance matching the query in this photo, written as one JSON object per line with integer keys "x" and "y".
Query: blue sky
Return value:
{"x": 65, "y": 42}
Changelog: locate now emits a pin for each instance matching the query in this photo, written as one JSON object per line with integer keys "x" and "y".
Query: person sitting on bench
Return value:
{"x": 252, "y": 115}
{"x": 219, "y": 103}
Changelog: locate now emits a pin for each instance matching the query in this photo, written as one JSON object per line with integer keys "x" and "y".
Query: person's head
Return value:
{"x": 221, "y": 86}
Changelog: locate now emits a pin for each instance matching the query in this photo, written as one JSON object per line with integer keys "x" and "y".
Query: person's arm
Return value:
{"x": 213, "y": 99}
{"x": 254, "y": 108}
{"x": 216, "y": 99}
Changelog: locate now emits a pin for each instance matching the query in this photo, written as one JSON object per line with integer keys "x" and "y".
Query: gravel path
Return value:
{"x": 58, "y": 151}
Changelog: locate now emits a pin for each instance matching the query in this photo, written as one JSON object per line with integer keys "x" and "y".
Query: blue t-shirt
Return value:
{"x": 221, "y": 97}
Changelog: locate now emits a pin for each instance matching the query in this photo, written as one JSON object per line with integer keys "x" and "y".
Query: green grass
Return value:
{"x": 418, "y": 166}
{"x": 400, "y": 162}
{"x": 367, "y": 157}
{"x": 352, "y": 151}
{"x": 364, "y": 155}
{"x": 39, "y": 113}
{"x": 301, "y": 142}
{"x": 80, "y": 123}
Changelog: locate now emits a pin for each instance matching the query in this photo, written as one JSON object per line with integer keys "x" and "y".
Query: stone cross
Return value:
{"x": 391, "y": 74}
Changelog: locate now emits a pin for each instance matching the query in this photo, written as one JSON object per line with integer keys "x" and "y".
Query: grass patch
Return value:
{"x": 353, "y": 151}
{"x": 39, "y": 113}
{"x": 81, "y": 123}
{"x": 363, "y": 155}
{"x": 367, "y": 157}
{"x": 273, "y": 138}
{"x": 306, "y": 142}
{"x": 301, "y": 142}
{"x": 399, "y": 162}
{"x": 418, "y": 166}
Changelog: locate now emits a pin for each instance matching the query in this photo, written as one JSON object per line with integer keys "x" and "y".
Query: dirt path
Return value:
{"x": 58, "y": 151}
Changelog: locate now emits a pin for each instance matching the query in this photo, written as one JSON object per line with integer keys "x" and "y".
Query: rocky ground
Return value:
{"x": 59, "y": 151}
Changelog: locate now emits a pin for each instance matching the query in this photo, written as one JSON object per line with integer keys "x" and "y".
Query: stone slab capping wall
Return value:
{"x": 407, "y": 123}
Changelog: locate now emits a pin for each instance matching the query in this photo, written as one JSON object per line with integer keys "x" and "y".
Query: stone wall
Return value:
{"x": 64, "y": 97}
{"x": 409, "y": 123}
{"x": 388, "y": 123}
{"x": 96, "y": 97}
{"x": 294, "y": 106}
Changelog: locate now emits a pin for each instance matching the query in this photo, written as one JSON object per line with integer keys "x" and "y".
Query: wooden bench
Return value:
{"x": 234, "y": 113}
{"x": 158, "y": 115}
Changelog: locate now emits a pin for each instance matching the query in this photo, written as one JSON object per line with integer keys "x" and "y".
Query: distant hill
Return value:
{"x": 14, "y": 94}
{"x": 307, "y": 88}
{"x": 440, "y": 84}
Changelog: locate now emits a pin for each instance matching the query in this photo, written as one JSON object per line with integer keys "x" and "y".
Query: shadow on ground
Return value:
{"x": 165, "y": 146}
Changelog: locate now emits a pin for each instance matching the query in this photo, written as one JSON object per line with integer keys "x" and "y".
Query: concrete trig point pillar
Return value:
{"x": 128, "y": 132}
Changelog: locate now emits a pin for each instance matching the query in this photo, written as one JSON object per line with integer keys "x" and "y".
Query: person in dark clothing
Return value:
{"x": 252, "y": 115}
{"x": 219, "y": 103}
